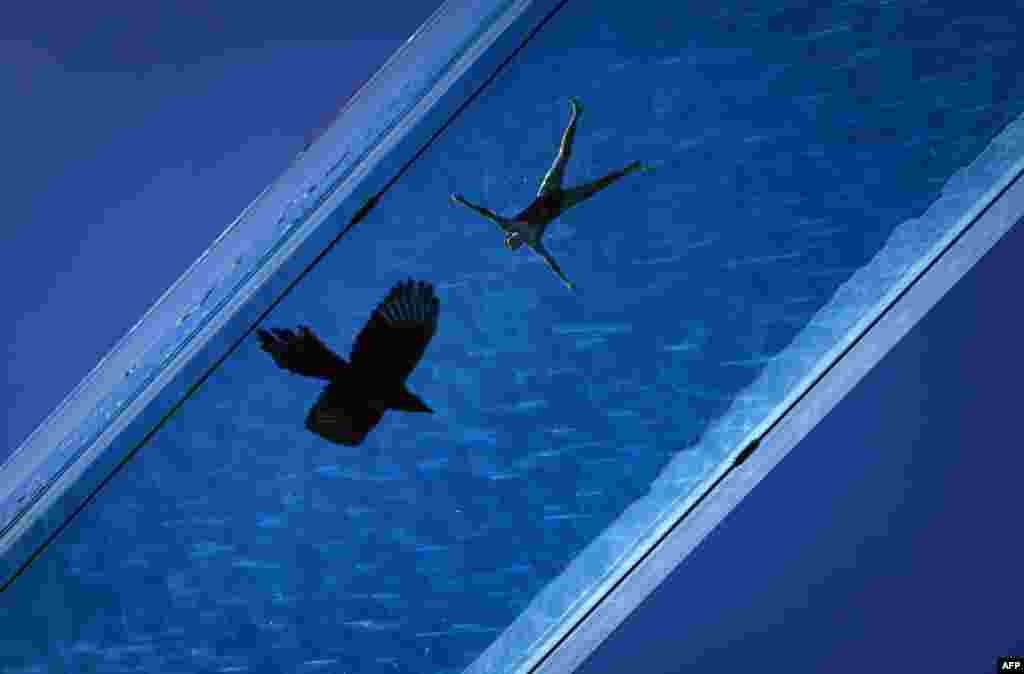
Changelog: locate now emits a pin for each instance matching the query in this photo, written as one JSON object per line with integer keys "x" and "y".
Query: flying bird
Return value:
{"x": 384, "y": 354}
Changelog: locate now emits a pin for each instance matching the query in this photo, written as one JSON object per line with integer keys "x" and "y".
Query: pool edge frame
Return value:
{"x": 50, "y": 509}
{"x": 924, "y": 292}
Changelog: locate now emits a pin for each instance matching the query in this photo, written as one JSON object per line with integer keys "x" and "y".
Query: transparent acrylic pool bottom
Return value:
{"x": 710, "y": 290}
{"x": 266, "y": 231}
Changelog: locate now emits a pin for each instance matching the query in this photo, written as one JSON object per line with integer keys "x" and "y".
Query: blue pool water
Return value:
{"x": 809, "y": 162}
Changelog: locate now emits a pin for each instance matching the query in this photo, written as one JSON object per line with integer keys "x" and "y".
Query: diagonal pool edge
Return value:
{"x": 582, "y": 639}
{"x": 438, "y": 30}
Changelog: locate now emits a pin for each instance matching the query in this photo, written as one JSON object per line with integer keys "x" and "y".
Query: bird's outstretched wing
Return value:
{"x": 397, "y": 334}
{"x": 300, "y": 351}
{"x": 339, "y": 417}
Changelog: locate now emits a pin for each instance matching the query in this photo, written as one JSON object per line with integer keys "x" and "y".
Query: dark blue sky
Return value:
{"x": 889, "y": 539}
{"x": 889, "y": 533}
{"x": 131, "y": 145}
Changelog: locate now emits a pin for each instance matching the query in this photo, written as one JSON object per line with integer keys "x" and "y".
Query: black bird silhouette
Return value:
{"x": 384, "y": 354}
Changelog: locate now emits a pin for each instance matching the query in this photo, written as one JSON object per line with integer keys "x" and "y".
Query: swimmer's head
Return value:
{"x": 513, "y": 241}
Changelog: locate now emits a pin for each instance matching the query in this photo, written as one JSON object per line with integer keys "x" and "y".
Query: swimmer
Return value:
{"x": 551, "y": 201}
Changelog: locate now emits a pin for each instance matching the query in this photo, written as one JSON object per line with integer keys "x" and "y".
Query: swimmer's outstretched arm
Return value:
{"x": 490, "y": 215}
{"x": 542, "y": 251}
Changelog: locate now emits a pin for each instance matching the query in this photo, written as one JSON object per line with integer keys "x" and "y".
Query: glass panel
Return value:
{"x": 807, "y": 164}
{"x": 250, "y": 264}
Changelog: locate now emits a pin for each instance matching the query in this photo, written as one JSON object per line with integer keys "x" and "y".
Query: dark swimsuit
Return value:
{"x": 542, "y": 210}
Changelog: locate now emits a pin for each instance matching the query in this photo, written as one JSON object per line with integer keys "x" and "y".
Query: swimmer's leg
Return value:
{"x": 581, "y": 193}
{"x": 553, "y": 179}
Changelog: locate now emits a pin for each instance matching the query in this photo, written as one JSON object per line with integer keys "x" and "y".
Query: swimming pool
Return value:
{"x": 809, "y": 165}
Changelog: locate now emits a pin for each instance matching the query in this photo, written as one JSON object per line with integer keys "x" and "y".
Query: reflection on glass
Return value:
{"x": 807, "y": 163}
